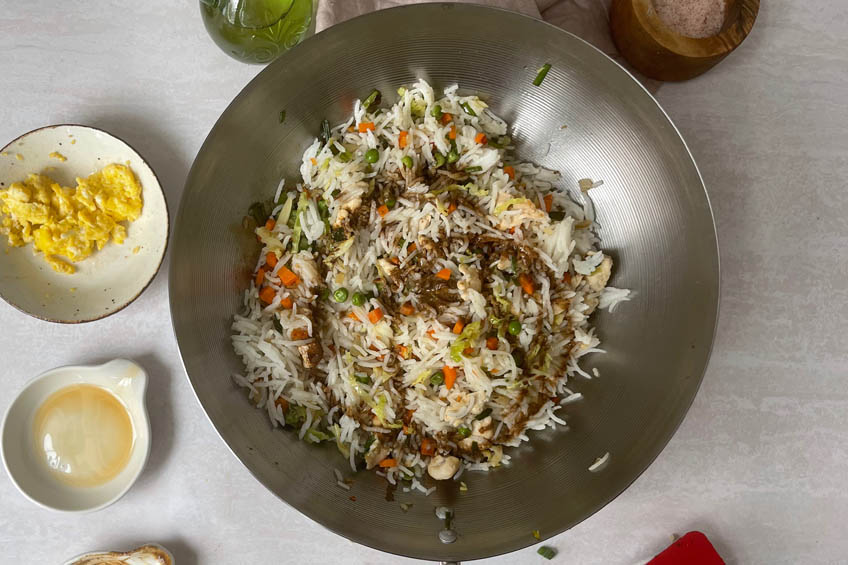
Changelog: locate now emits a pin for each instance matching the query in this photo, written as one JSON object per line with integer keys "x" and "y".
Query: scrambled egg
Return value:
{"x": 70, "y": 222}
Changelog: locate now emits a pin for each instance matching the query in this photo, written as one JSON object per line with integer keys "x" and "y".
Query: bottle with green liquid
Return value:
{"x": 256, "y": 31}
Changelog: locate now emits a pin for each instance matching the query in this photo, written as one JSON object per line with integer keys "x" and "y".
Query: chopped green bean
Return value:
{"x": 543, "y": 72}
{"x": 323, "y": 208}
{"x": 372, "y": 156}
{"x": 340, "y": 295}
{"x": 468, "y": 109}
{"x": 407, "y": 161}
{"x": 475, "y": 169}
{"x": 547, "y": 552}
{"x": 390, "y": 203}
{"x": 440, "y": 159}
{"x": 282, "y": 116}
{"x": 453, "y": 156}
{"x": 344, "y": 156}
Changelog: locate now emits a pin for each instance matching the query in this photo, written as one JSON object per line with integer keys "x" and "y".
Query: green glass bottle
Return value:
{"x": 256, "y": 31}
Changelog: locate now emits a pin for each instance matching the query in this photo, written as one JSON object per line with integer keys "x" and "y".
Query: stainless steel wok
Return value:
{"x": 655, "y": 220}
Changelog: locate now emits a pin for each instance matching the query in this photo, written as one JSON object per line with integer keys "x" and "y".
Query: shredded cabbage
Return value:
{"x": 466, "y": 339}
{"x": 505, "y": 205}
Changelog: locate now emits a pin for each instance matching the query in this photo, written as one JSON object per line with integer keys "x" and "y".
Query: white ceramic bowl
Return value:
{"x": 128, "y": 382}
{"x": 110, "y": 278}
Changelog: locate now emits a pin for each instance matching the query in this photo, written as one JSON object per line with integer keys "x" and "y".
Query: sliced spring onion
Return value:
{"x": 325, "y": 131}
{"x": 282, "y": 116}
{"x": 453, "y": 156}
{"x": 468, "y": 109}
{"x": 390, "y": 203}
{"x": 475, "y": 169}
{"x": 547, "y": 552}
{"x": 484, "y": 414}
{"x": 440, "y": 159}
{"x": 323, "y": 209}
{"x": 324, "y": 293}
{"x": 374, "y": 98}
{"x": 543, "y": 72}
{"x": 518, "y": 357}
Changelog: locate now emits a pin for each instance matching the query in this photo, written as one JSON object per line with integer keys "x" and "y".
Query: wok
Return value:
{"x": 589, "y": 118}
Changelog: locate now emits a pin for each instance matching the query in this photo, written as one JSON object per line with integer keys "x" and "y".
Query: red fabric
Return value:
{"x": 692, "y": 549}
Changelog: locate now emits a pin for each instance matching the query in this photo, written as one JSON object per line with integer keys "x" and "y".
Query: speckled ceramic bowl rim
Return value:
{"x": 164, "y": 248}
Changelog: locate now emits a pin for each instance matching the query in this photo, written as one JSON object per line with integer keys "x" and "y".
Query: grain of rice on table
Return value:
{"x": 422, "y": 298}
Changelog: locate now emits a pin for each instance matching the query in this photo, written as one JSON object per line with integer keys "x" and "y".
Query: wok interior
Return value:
{"x": 655, "y": 222}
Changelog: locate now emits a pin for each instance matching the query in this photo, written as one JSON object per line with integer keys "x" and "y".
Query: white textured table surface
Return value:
{"x": 761, "y": 462}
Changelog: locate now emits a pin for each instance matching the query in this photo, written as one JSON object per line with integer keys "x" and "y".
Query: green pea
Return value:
{"x": 514, "y": 327}
{"x": 358, "y": 299}
{"x": 463, "y": 432}
{"x": 436, "y": 112}
{"x": 344, "y": 156}
{"x": 453, "y": 156}
{"x": 440, "y": 159}
{"x": 340, "y": 295}
{"x": 390, "y": 203}
{"x": 372, "y": 156}
{"x": 437, "y": 378}
{"x": 407, "y": 161}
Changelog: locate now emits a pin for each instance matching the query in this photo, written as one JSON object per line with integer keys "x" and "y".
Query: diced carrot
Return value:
{"x": 457, "y": 327}
{"x": 407, "y": 309}
{"x": 452, "y": 208}
{"x": 267, "y": 295}
{"x": 431, "y": 333}
{"x": 566, "y": 278}
{"x": 383, "y": 210}
{"x": 282, "y": 403}
{"x": 450, "y": 376}
{"x": 271, "y": 259}
{"x": 510, "y": 171}
{"x": 428, "y": 447}
{"x": 452, "y": 132}
{"x": 366, "y": 126}
{"x": 403, "y": 351}
{"x": 313, "y": 160}
{"x": 289, "y": 278}
{"x": 260, "y": 277}
{"x": 270, "y": 223}
{"x": 511, "y": 230}
{"x": 444, "y": 274}
{"x": 388, "y": 462}
{"x": 375, "y": 315}
{"x": 353, "y": 316}
{"x": 407, "y": 417}
{"x": 394, "y": 261}
{"x": 406, "y": 429}
{"x": 468, "y": 351}
{"x": 411, "y": 247}
{"x": 287, "y": 303}
{"x": 402, "y": 139}
{"x": 350, "y": 128}
{"x": 299, "y": 333}
{"x": 446, "y": 119}
{"x": 527, "y": 283}
{"x": 492, "y": 343}
{"x": 481, "y": 138}
{"x": 549, "y": 202}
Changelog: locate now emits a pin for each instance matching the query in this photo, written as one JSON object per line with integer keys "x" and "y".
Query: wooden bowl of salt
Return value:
{"x": 674, "y": 40}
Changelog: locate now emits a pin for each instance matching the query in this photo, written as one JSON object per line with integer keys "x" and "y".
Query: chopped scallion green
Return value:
{"x": 543, "y": 72}
{"x": 547, "y": 552}
{"x": 468, "y": 109}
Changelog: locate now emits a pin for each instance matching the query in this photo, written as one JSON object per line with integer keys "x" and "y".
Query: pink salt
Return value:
{"x": 692, "y": 18}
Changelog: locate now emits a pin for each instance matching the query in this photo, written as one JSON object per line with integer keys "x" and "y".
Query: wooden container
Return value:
{"x": 660, "y": 53}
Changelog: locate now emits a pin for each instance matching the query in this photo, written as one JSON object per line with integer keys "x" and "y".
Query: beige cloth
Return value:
{"x": 588, "y": 19}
